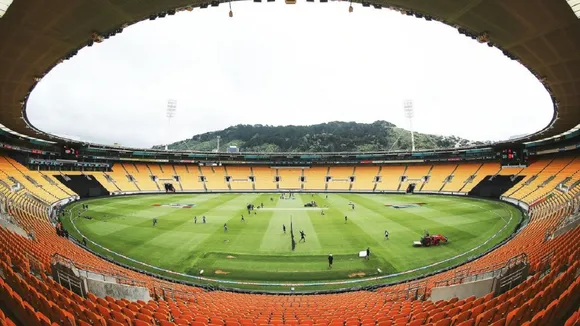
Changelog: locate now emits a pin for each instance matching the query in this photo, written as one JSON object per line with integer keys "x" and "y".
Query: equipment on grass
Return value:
{"x": 430, "y": 240}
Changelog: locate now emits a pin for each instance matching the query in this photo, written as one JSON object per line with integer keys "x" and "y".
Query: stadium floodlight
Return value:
{"x": 170, "y": 113}
{"x": 4, "y": 4}
{"x": 575, "y": 5}
{"x": 409, "y": 114}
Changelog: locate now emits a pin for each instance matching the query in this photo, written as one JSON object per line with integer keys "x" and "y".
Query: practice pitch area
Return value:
{"x": 257, "y": 249}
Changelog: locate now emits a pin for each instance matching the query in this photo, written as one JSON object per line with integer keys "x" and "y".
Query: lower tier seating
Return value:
{"x": 548, "y": 297}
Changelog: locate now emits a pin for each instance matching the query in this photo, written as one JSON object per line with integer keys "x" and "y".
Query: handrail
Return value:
{"x": 120, "y": 279}
{"x": 70, "y": 281}
{"x": 493, "y": 271}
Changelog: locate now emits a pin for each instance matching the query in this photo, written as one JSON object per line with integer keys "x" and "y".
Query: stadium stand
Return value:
{"x": 438, "y": 177}
{"x": 239, "y": 177}
{"x": 122, "y": 179}
{"x": 460, "y": 176}
{"x": 390, "y": 177}
{"x": 142, "y": 176}
{"x": 290, "y": 178}
{"x": 365, "y": 178}
{"x": 547, "y": 297}
{"x": 107, "y": 181}
{"x": 415, "y": 174}
{"x": 189, "y": 177}
{"x": 315, "y": 178}
{"x": 485, "y": 170}
{"x": 34, "y": 38}
{"x": 265, "y": 177}
{"x": 339, "y": 177}
{"x": 215, "y": 178}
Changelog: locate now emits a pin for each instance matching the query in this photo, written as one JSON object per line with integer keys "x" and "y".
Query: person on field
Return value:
{"x": 154, "y": 221}
{"x": 302, "y": 236}
{"x": 330, "y": 260}
{"x": 345, "y": 219}
{"x": 225, "y": 227}
{"x": 368, "y": 253}
{"x": 243, "y": 220}
{"x": 203, "y": 218}
{"x": 195, "y": 219}
{"x": 386, "y": 235}
{"x": 284, "y": 228}
{"x": 84, "y": 241}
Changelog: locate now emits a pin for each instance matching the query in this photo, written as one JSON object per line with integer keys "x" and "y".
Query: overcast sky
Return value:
{"x": 281, "y": 64}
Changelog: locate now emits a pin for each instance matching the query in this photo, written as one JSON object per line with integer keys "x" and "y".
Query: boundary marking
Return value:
{"x": 233, "y": 282}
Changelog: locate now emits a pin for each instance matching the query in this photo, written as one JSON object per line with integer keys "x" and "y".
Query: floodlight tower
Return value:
{"x": 409, "y": 114}
{"x": 170, "y": 113}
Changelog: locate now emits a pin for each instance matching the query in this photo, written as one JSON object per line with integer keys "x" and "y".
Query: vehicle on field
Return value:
{"x": 429, "y": 240}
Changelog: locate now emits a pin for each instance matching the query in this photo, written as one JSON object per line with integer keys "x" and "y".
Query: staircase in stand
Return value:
{"x": 175, "y": 174}
{"x": 325, "y": 180}
{"x": 130, "y": 177}
{"x": 253, "y": 175}
{"x": 426, "y": 179}
{"x": 201, "y": 175}
{"x": 449, "y": 178}
{"x": 400, "y": 178}
{"x": 230, "y": 178}
{"x": 151, "y": 176}
{"x": 378, "y": 174}
{"x": 470, "y": 178}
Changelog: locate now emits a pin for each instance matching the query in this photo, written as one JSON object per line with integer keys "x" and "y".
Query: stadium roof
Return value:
{"x": 544, "y": 35}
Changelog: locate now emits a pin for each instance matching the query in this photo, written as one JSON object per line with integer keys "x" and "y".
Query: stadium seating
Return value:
{"x": 484, "y": 170}
{"x": 315, "y": 178}
{"x": 121, "y": 178}
{"x": 239, "y": 177}
{"x": 458, "y": 178}
{"x": 215, "y": 178}
{"x": 548, "y": 297}
{"x": 415, "y": 174}
{"x": 265, "y": 177}
{"x": 438, "y": 176}
{"x": 189, "y": 177}
{"x": 340, "y": 177}
{"x": 365, "y": 178}
{"x": 390, "y": 177}
{"x": 290, "y": 178}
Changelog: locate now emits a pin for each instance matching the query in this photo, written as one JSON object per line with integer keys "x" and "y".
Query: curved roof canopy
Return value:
{"x": 35, "y": 35}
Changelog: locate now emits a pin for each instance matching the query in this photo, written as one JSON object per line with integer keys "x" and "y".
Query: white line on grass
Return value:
{"x": 382, "y": 277}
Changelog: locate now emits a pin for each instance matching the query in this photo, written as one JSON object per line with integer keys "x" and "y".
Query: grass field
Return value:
{"x": 258, "y": 250}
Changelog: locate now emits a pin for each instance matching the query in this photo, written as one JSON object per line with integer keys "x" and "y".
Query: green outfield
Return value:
{"x": 258, "y": 250}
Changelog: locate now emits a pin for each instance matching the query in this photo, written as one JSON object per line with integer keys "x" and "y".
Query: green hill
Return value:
{"x": 325, "y": 137}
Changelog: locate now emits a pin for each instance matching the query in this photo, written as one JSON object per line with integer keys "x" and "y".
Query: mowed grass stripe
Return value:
{"x": 336, "y": 236}
{"x": 420, "y": 218}
{"x": 240, "y": 234}
{"x": 257, "y": 249}
{"x": 396, "y": 254}
{"x": 186, "y": 242}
